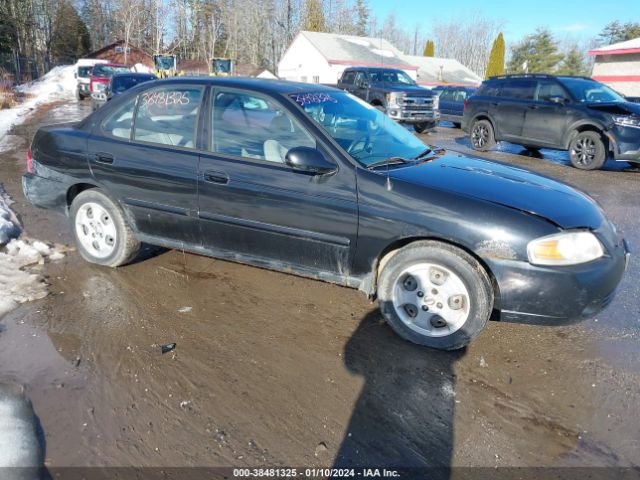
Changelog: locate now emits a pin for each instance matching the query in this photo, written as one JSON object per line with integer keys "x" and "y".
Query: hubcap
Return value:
{"x": 431, "y": 299}
{"x": 480, "y": 135}
{"x": 95, "y": 230}
{"x": 584, "y": 151}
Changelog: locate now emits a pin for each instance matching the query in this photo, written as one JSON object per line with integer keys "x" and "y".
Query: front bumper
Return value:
{"x": 625, "y": 143}
{"x": 405, "y": 115}
{"x": 558, "y": 295}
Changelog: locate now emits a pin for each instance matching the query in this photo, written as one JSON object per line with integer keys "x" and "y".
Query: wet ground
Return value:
{"x": 271, "y": 369}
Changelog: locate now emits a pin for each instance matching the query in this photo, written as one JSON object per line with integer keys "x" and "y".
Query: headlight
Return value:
{"x": 627, "y": 121}
{"x": 569, "y": 248}
{"x": 392, "y": 98}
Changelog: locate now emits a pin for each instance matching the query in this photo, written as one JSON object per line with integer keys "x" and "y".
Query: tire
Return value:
{"x": 482, "y": 136}
{"x": 100, "y": 230}
{"x": 424, "y": 126}
{"x": 380, "y": 108}
{"x": 437, "y": 277}
{"x": 79, "y": 95}
{"x": 587, "y": 151}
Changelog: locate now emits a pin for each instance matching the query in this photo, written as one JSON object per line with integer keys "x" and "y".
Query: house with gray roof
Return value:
{"x": 317, "y": 57}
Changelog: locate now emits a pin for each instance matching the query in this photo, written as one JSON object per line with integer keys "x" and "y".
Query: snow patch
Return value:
{"x": 58, "y": 84}
{"x": 140, "y": 68}
{"x": 21, "y": 279}
{"x": 20, "y": 260}
{"x": 9, "y": 225}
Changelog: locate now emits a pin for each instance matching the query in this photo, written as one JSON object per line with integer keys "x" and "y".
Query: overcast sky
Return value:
{"x": 581, "y": 20}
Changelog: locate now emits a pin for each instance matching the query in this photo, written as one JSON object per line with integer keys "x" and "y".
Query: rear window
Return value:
{"x": 120, "y": 84}
{"x": 490, "y": 88}
{"x": 348, "y": 77}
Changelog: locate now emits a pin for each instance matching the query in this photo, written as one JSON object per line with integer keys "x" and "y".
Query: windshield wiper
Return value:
{"x": 388, "y": 161}
{"x": 435, "y": 151}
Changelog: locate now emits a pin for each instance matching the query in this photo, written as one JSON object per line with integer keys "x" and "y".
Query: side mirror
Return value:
{"x": 558, "y": 99}
{"x": 309, "y": 160}
{"x": 363, "y": 84}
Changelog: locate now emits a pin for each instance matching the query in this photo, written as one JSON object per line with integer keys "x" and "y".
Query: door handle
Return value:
{"x": 533, "y": 107}
{"x": 105, "y": 158}
{"x": 216, "y": 177}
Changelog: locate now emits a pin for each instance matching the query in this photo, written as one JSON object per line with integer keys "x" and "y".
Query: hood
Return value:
{"x": 617, "y": 108}
{"x": 508, "y": 186}
{"x": 390, "y": 87}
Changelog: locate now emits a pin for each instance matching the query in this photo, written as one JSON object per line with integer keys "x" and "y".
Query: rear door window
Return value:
{"x": 519, "y": 89}
{"x": 168, "y": 116}
{"x": 548, "y": 89}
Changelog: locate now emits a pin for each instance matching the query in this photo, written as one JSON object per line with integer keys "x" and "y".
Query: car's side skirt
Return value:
{"x": 330, "y": 277}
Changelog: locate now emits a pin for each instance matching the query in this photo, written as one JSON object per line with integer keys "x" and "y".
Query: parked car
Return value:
{"x": 331, "y": 190}
{"x": 84, "y": 66}
{"x": 452, "y": 102}
{"x": 99, "y": 80}
{"x": 121, "y": 82}
{"x": 578, "y": 114}
{"x": 394, "y": 92}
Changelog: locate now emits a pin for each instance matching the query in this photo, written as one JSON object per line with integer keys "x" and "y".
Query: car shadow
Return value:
{"x": 403, "y": 418}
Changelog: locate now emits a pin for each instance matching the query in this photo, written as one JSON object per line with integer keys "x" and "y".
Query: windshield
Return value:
{"x": 390, "y": 76}
{"x": 84, "y": 72}
{"x": 120, "y": 84}
{"x": 366, "y": 133}
{"x": 590, "y": 91}
{"x": 108, "y": 70}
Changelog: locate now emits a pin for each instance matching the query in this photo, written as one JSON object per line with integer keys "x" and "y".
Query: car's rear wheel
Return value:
{"x": 100, "y": 230}
{"x": 587, "y": 151}
{"x": 482, "y": 135}
{"x": 435, "y": 294}
{"x": 424, "y": 126}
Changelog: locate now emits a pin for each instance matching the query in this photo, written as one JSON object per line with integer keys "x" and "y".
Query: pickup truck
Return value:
{"x": 84, "y": 66}
{"x": 99, "y": 80}
{"x": 393, "y": 91}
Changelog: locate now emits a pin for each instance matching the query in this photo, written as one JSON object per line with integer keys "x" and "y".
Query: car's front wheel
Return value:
{"x": 482, "y": 135}
{"x": 435, "y": 294}
{"x": 100, "y": 230}
{"x": 587, "y": 151}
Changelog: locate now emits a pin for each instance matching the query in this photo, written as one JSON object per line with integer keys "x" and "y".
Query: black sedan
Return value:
{"x": 313, "y": 181}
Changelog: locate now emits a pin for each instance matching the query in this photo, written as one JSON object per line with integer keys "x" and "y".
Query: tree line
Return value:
{"x": 259, "y": 31}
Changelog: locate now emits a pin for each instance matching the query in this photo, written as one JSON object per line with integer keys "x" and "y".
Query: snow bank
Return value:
{"x": 9, "y": 225}
{"x": 140, "y": 68}
{"x": 58, "y": 84}
{"x": 20, "y": 261}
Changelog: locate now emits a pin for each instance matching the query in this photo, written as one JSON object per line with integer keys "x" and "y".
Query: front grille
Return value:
{"x": 415, "y": 101}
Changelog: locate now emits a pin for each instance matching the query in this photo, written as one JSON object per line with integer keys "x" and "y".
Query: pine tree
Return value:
{"x": 362, "y": 17}
{"x": 429, "y": 49}
{"x": 615, "y": 32}
{"x": 496, "y": 58}
{"x": 71, "y": 39}
{"x": 573, "y": 63}
{"x": 538, "y": 52}
{"x": 314, "y": 16}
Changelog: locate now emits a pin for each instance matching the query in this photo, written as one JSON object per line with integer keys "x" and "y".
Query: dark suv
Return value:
{"x": 394, "y": 92}
{"x": 578, "y": 114}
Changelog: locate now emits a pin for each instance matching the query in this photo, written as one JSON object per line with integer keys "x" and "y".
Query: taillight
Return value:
{"x": 466, "y": 102}
{"x": 29, "y": 160}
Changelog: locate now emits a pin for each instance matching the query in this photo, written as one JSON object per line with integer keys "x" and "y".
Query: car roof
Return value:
{"x": 282, "y": 87}
{"x": 368, "y": 69}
